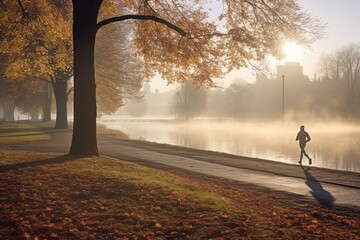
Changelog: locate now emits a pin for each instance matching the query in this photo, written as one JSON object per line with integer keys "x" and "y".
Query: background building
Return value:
{"x": 291, "y": 70}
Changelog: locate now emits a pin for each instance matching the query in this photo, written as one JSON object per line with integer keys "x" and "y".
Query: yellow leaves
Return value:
{"x": 38, "y": 47}
{"x": 23, "y": 67}
{"x": 41, "y": 51}
{"x": 17, "y": 68}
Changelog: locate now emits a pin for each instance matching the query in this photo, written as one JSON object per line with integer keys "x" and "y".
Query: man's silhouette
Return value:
{"x": 303, "y": 137}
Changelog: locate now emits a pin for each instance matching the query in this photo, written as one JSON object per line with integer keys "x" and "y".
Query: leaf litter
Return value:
{"x": 47, "y": 196}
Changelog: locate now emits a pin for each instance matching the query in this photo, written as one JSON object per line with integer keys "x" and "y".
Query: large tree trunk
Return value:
{"x": 85, "y": 14}
{"x": 60, "y": 91}
{"x": 47, "y": 103}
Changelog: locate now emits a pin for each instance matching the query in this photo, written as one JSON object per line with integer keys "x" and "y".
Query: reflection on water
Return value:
{"x": 334, "y": 147}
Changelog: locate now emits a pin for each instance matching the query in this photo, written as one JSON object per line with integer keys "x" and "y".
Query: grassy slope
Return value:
{"x": 45, "y": 195}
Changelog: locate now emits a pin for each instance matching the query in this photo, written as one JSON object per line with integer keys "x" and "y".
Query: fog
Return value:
{"x": 260, "y": 119}
{"x": 334, "y": 145}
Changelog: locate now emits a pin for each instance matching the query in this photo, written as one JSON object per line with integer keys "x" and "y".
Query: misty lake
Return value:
{"x": 333, "y": 146}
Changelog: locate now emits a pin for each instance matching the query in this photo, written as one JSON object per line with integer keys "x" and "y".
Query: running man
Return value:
{"x": 303, "y": 137}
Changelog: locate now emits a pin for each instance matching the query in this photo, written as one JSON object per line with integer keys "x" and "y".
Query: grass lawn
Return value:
{"x": 50, "y": 196}
{"x": 19, "y": 132}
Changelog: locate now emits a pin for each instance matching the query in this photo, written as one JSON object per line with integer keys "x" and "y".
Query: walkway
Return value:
{"x": 328, "y": 187}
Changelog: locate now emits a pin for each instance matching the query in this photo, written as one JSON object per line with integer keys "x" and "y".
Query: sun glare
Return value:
{"x": 292, "y": 51}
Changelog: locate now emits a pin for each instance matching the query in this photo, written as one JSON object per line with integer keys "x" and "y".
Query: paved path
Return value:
{"x": 325, "y": 193}
{"x": 328, "y": 187}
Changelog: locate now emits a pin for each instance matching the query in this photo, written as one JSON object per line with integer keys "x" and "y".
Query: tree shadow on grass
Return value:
{"x": 319, "y": 193}
{"x": 56, "y": 160}
{"x": 23, "y": 135}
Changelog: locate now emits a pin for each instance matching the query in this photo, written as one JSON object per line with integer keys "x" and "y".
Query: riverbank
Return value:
{"x": 61, "y": 139}
{"x": 337, "y": 177}
{"x": 333, "y": 145}
{"x": 115, "y": 143}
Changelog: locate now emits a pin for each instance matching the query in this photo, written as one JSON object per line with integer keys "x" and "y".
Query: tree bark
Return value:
{"x": 60, "y": 91}
{"x": 47, "y": 103}
{"x": 85, "y": 14}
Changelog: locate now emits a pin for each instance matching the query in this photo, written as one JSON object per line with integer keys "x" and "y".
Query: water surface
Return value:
{"x": 332, "y": 146}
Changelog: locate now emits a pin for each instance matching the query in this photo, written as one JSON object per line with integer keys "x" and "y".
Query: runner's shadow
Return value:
{"x": 319, "y": 193}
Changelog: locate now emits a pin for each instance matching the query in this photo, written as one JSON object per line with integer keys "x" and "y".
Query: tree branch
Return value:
{"x": 141, "y": 17}
{"x": 70, "y": 91}
{"x": 24, "y": 13}
{"x": 42, "y": 79}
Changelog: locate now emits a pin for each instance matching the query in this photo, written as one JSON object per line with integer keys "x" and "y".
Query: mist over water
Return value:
{"x": 333, "y": 145}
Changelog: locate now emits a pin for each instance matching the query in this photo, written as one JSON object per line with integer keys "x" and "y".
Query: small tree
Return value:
{"x": 238, "y": 100}
{"x": 188, "y": 101}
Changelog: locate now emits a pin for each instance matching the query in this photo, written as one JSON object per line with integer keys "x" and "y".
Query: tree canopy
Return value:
{"x": 40, "y": 44}
{"x": 37, "y": 45}
{"x": 210, "y": 46}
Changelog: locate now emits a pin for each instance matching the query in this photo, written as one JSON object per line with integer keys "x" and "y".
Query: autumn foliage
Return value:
{"x": 47, "y": 196}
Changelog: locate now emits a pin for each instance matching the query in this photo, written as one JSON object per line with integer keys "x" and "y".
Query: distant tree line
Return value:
{"x": 341, "y": 80}
{"x": 335, "y": 93}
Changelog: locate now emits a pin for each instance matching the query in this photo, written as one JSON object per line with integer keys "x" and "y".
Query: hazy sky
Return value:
{"x": 342, "y": 18}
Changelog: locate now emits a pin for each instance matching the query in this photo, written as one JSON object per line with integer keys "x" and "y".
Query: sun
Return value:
{"x": 292, "y": 51}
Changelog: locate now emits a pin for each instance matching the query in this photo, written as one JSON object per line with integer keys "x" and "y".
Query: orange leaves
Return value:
{"x": 314, "y": 221}
{"x": 48, "y": 209}
{"x": 54, "y": 235}
{"x": 244, "y": 32}
{"x": 26, "y": 235}
{"x": 177, "y": 58}
{"x": 157, "y": 208}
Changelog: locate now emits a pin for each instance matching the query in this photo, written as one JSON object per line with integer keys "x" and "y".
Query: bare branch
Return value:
{"x": 274, "y": 12}
{"x": 69, "y": 91}
{"x": 141, "y": 17}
